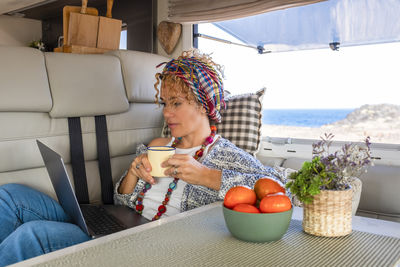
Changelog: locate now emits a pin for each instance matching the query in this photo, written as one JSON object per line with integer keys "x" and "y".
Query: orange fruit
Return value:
{"x": 239, "y": 195}
{"x": 275, "y": 203}
{"x": 266, "y": 186}
{"x": 246, "y": 208}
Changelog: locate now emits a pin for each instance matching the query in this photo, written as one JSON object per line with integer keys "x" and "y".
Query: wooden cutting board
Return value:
{"x": 67, "y": 10}
{"x": 82, "y": 29}
{"x": 109, "y": 30}
{"x": 76, "y": 49}
{"x": 109, "y": 33}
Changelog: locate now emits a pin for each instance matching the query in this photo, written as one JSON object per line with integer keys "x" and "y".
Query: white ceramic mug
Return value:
{"x": 156, "y": 156}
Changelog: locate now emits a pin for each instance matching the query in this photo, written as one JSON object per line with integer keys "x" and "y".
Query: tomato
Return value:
{"x": 275, "y": 203}
{"x": 239, "y": 195}
{"x": 246, "y": 208}
{"x": 266, "y": 186}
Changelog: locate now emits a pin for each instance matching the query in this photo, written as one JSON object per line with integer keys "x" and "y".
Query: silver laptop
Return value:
{"x": 95, "y": 220}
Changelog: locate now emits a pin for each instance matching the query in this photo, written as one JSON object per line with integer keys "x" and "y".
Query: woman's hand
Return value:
{"x": 140, "y": 168}
{"x": 188, "y": 169}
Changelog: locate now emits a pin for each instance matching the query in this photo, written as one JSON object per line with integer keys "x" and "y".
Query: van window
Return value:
{"x": 352, "y": 92}
{"x": 122, "y": 40}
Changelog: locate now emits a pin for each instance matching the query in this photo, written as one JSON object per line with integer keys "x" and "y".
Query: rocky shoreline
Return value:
{"x": 380, "y": 122}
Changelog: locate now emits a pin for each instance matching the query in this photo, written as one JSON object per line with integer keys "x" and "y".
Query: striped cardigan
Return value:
{"x": 237, "y": 166}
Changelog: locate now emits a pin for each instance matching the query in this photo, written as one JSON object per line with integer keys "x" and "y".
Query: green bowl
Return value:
{"x": 257, "y": 227}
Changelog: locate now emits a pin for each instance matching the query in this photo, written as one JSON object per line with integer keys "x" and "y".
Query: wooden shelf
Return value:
{"x": 77, "y": 49}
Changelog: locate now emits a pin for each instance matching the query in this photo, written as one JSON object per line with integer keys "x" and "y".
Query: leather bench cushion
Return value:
{"x": 18, "y": 149}
{"x": 39, "y": 179}
{"x": 39, "y": 91}
{"x": 23, "y": 80}
{"x": 139, "y": 70}
{"x": 85, "y": 85}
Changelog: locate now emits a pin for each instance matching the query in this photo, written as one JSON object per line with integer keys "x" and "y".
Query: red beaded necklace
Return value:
{"x": 162, "y": 208}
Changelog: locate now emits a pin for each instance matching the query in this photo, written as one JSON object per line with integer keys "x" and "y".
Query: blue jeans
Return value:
{"x": 32, "y": 223}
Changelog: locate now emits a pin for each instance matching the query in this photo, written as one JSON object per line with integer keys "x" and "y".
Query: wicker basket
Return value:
{"x": 329, "y": 214}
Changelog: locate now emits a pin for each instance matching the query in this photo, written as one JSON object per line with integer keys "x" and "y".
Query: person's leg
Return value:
{"x": 20, "y": 204}
{"x": 35, "y": 238}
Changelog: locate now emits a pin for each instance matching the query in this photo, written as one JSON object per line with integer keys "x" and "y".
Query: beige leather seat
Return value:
{"x": 39, "y": 91}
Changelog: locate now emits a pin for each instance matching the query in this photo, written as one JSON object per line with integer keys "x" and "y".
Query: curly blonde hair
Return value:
{"x": 176, "y": 86}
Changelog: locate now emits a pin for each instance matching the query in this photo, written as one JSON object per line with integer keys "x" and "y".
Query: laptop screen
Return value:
{"x": 59, "y": 177}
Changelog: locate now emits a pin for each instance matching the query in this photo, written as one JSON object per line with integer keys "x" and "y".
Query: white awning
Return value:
{"x": 335, "y": 22}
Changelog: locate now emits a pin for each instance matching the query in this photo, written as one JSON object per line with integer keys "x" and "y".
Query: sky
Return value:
{"x": 310, "y": 79}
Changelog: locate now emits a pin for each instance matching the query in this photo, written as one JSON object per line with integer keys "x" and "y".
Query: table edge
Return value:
{"x": 364, "y": 224}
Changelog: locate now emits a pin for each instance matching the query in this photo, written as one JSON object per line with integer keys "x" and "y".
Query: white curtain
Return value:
{"x": 198, "y": 11}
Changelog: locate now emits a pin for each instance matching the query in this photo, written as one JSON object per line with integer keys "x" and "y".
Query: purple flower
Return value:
{"x": 350, "y": 161}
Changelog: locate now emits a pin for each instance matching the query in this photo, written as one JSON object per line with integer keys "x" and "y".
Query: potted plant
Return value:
{"x": 38, "y": 45}
{"x": 323, "y": 185}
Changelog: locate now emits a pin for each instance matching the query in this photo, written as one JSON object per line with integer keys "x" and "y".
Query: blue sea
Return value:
{"x": 303, "y": 117}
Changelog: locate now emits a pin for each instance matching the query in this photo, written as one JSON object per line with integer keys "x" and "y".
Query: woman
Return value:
{"x": 205, "y": 165}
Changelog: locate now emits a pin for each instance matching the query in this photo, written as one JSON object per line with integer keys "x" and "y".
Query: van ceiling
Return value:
{"x": 11, "y": 5}
{"x": 18, "y": 6}
{"x": 42, "y": 9}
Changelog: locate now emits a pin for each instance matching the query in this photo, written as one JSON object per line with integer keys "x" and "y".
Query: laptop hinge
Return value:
{"x": 103, "y": 156}
{"x": 78, "y": 160}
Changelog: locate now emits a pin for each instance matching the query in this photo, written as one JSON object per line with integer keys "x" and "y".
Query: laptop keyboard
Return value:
{"x": 100, "y": 221}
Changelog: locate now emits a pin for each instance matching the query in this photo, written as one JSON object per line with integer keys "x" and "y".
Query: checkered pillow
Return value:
{"x": 241, "y": 121}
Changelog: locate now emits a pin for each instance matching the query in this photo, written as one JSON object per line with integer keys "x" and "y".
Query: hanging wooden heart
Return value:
{"x": 168, "y": 34}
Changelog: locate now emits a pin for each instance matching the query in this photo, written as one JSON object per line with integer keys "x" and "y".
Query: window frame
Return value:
{"x": 279, "y": 148}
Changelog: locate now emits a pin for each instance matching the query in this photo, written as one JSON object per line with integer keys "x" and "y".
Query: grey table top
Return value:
{"x": 200, "y": 238}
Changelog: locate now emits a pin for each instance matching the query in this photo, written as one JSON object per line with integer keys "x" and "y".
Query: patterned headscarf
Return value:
{"x": 202, "y": 79}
